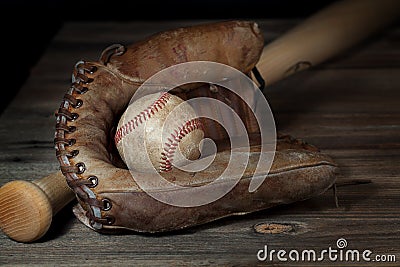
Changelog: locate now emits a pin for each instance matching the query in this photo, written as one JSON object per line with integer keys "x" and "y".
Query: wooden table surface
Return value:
{"x": 349, "y": 107}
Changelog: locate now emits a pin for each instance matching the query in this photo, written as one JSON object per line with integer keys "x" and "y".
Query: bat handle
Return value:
{"x": 27, "y": 208}
{"x": 325, "y": 34}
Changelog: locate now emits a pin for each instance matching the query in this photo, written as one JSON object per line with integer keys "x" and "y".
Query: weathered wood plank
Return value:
{"x": 205, "y": 246}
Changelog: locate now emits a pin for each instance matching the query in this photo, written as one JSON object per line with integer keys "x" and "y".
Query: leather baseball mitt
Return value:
{"x": 109, "y": 199}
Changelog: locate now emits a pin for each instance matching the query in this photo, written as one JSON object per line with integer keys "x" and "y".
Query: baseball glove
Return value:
{"x": 109, "y": 199}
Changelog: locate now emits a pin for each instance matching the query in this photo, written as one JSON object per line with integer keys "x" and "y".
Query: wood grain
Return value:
{"x": 349, "y": 107}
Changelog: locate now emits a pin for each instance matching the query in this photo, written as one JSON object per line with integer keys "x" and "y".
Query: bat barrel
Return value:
{"x": 27, "y": 208}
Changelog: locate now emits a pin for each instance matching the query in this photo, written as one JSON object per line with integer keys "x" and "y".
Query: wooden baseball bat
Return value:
{"x": 27, "y": 208}
{"x": 327, "y": 33}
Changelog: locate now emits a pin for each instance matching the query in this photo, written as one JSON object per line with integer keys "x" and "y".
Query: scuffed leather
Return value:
{"x": 299, "y": 171}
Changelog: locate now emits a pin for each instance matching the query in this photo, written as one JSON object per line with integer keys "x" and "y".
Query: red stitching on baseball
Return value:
{"x": 146, "y": 114}
{"x": 167, "y": 156}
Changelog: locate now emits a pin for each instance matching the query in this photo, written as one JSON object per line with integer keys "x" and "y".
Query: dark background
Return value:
{"x": 28, "y": 26}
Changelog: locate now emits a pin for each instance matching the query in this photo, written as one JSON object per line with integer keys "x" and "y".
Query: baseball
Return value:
{"x": 158, "y": 131}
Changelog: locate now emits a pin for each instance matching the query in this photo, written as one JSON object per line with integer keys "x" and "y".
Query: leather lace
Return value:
{"x": 74, "y": 173}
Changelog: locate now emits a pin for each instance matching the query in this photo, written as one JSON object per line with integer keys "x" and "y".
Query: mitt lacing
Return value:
{"x": 73, "y": 173}
{"x": 114, "y": 49}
